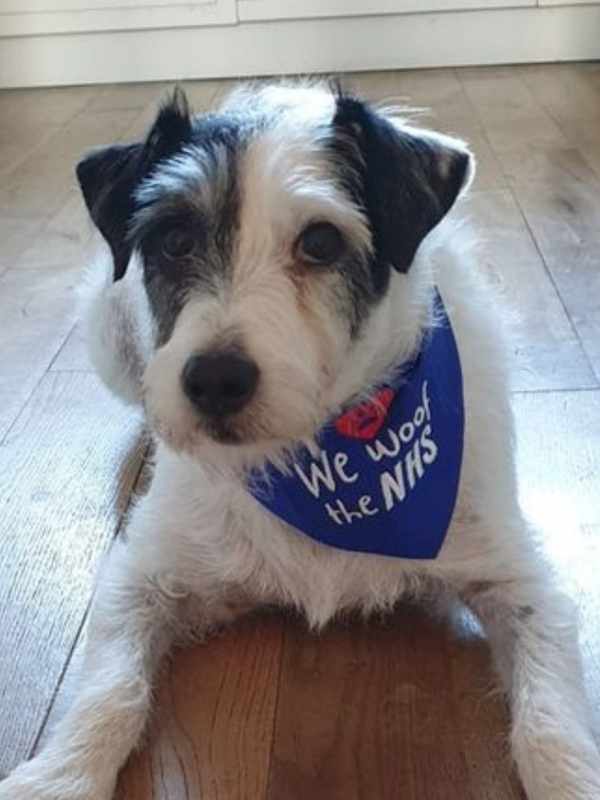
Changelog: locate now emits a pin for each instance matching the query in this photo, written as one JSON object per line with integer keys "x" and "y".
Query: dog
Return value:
{"x": 294, "y": 306}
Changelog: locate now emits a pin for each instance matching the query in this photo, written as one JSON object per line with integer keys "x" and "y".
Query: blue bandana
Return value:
{"x": 386, "y": 475}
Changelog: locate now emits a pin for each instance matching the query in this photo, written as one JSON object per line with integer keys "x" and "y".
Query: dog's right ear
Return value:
{"x": 109, "y": 176}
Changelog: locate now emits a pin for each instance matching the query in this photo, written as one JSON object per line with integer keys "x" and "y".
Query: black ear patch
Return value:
{"x": 109, "y": 176}
{"x": 405, "y": 182}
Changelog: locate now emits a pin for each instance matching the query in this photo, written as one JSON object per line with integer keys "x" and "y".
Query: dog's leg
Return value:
{"x": 533, "y": 634}
{"x": 130, "y": 630}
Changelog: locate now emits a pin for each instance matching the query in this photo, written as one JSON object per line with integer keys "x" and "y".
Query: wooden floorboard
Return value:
{"x": 67, "y": 467}
{"x": 546, "y": 351}
{"x": 212, "y": 735}
{"x": 37, "y": 309}
{"x": 368, "y": 711}
{"x": 480, "y": 717}
{"x": 267, "y": 711}
{"x": 564, "y": 217}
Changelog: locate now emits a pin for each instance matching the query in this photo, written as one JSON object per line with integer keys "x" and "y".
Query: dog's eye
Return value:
{"x": 320, "y": 243}
{"x": 178, "y": 243}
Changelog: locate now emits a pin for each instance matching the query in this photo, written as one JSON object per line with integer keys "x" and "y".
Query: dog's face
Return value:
{"x": 268, "y": 236}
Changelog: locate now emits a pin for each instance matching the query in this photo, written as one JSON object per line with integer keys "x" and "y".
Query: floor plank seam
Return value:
{"x": 22, "y": 407}
{"x": 61, "y": 348}
{"x": 59, "y": 682}
{"x": 284, "y": 632}
{"x": 72, "y": 371}
{"x": 561, "y": 390}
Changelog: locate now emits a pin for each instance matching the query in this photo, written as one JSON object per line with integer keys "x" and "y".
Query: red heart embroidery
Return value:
{"x": 365, "y": 420}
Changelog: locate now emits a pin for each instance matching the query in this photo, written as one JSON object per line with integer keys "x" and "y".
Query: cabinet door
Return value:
{"x": 305, "y": 9}
{"x": 26, "y": 17}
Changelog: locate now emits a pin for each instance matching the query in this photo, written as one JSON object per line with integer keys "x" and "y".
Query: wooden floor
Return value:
{"x": 402, "y": 708}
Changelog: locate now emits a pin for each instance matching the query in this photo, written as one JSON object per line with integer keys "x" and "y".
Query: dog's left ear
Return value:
{"x": 405, "y": 179}
{"x": 109, "y": 176}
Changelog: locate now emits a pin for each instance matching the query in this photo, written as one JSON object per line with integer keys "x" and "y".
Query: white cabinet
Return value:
{"x": 259, "y": 10}
{"x": 27, "y": 17}
{"x": 54, "y": 42}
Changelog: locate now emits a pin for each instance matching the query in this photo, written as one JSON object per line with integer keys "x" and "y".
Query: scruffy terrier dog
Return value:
{"x": 325, "y": 377}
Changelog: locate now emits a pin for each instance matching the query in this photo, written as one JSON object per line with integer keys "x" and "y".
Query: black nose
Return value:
{"x": 219, "y": 383}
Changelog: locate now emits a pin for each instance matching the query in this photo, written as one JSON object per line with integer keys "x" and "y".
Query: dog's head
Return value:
{"x": 271, "y": 236}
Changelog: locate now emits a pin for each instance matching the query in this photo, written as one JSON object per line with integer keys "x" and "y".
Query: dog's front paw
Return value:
{"x": 43, "y": 779}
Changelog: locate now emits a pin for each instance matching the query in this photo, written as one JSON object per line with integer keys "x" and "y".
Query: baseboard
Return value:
{"x": 516, "y": 35}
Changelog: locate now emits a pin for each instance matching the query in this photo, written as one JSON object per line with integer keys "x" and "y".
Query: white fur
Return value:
{"x": 119, "y": 328}
{"x": 199, "y": 540}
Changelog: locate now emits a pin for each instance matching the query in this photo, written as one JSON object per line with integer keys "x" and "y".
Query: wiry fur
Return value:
{"x": 200, "y": 550}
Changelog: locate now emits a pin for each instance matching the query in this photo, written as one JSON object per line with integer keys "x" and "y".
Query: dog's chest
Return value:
{"x": 281, "y": 565}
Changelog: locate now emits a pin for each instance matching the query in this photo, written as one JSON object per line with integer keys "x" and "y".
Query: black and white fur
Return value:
{"x": 206, "y": 223}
